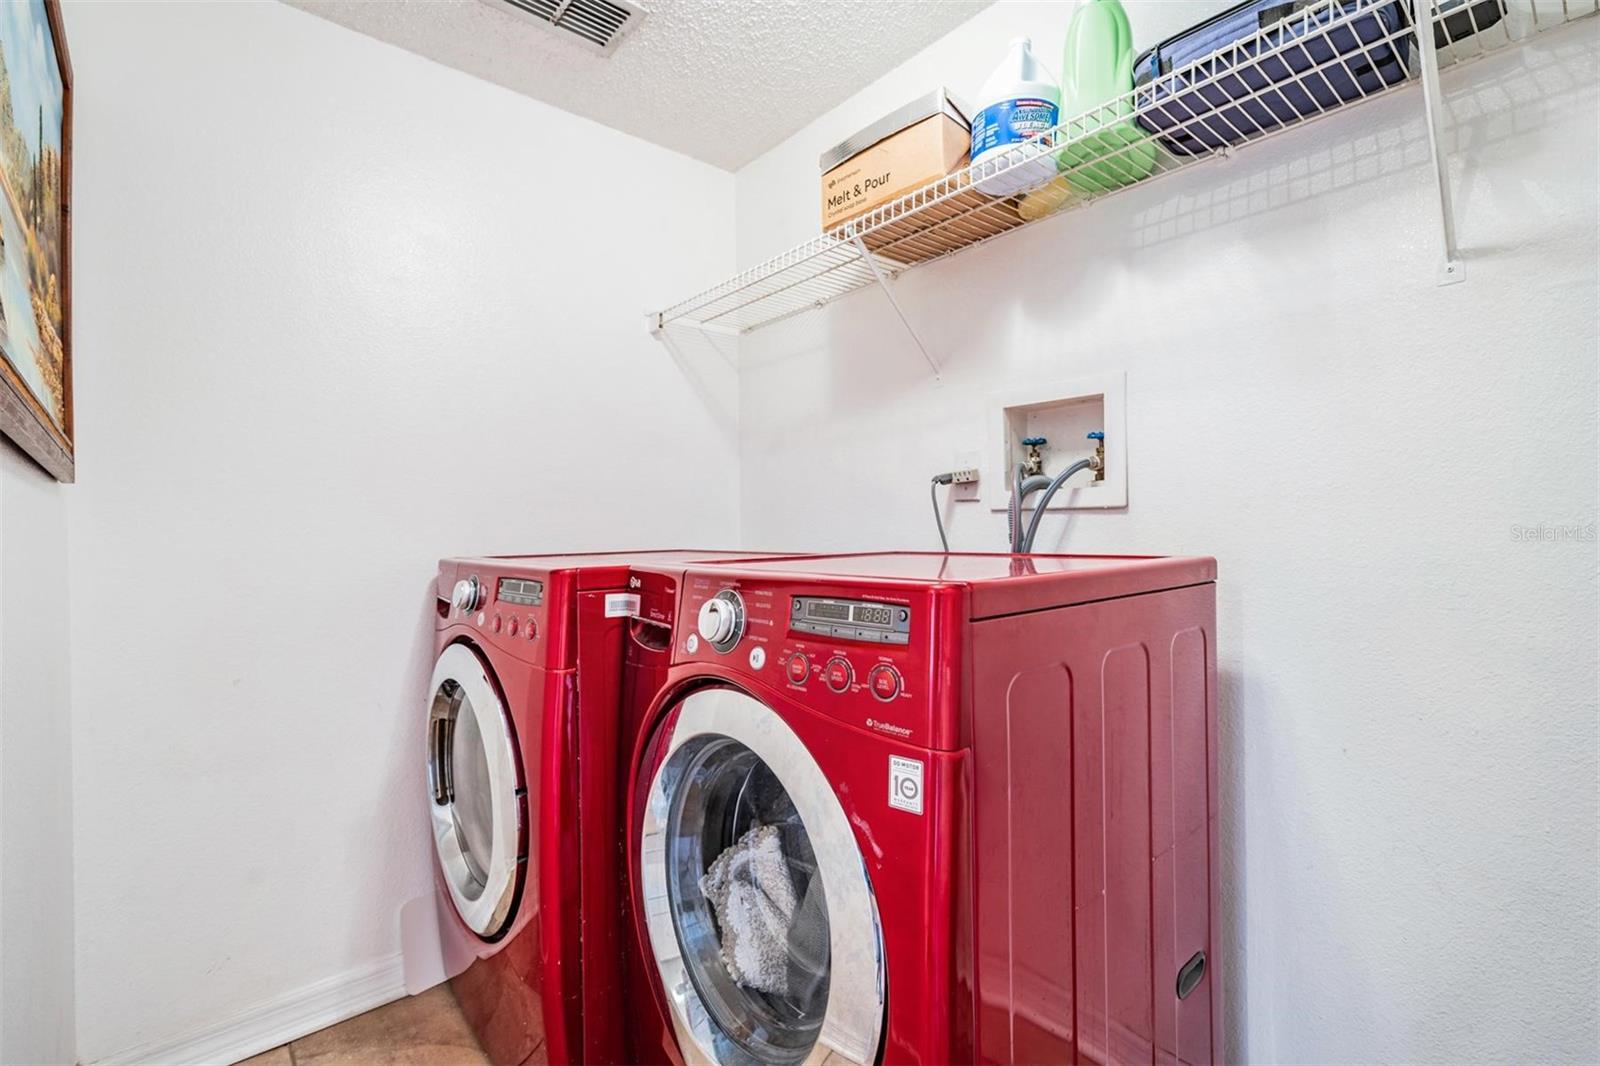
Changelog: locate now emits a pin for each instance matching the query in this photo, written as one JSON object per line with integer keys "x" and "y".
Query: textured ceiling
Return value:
{"x": 720, "y": 80}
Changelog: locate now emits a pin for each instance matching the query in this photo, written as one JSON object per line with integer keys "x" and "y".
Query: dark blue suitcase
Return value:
{"x": 1460, "y": 19}
{"x": 1336, "y": 51}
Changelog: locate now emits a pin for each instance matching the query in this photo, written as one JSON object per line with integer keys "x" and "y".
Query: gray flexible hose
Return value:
{"x": 1021, "y": 489}
{"x": 1044, "y": 501}
{"x": 938, "y": 519}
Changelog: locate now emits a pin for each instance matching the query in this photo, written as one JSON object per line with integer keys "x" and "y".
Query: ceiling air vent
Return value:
{"x": 597, "y": 24}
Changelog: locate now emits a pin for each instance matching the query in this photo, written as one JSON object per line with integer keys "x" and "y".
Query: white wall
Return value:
{"x": 1409, "y": 692}
{"x": 341, "y": 311}
{"x": 36, "y": 917}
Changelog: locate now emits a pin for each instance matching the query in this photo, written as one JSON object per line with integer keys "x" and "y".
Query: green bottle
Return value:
{"x": 1105, "y": 149}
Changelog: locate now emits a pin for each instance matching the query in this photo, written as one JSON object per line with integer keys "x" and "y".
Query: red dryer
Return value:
{"x": 927, "y": 808}
{"x": 524, "y": 782}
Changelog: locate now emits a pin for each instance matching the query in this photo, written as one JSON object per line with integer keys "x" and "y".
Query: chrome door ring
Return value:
{"x": 482, "y": 894}
{"x": 853, "y": 1019}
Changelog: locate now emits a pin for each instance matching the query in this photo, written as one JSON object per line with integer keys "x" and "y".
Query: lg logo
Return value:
{"x": 905, "y": 784}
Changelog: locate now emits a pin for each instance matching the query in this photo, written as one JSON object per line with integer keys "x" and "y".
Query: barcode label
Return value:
{"x": 622, "y": 605}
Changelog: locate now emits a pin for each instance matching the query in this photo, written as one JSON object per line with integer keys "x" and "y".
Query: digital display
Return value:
{"x": 870, "y": 614}
{"x": 521, "y": 591}
{"x": 880, "y": 623}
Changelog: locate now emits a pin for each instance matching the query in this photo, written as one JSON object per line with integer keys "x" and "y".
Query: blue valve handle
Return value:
{"x": 1097, "y": 435}
{"x": 1032, "y": 442}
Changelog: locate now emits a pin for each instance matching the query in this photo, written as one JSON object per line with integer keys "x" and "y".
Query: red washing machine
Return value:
{"x": 930, "y": 808}
{"x": 524, "y": 789}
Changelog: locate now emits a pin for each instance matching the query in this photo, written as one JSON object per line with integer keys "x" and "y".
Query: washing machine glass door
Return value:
{"x": 761, "y": 918}
{"x": 478, "y": 814}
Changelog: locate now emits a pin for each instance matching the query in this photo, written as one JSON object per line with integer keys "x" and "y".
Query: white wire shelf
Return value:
{"x": 1341, "y": 53}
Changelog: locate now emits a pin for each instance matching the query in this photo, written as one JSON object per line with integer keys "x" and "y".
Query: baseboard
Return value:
{"x": 268, "y": 1025}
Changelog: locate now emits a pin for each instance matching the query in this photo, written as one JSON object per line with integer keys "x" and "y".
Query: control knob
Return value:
{"x": 468, "y": 595}
{"x": 721, "y": 620}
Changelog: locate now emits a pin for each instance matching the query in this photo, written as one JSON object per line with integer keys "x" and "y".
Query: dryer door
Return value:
{"x": 478, "y": 809}
{"x": 761, "y": 919}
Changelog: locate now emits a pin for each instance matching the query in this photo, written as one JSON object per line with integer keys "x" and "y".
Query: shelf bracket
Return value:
{"x": 1450, "y": 271}
{"x": 883, "y": 283}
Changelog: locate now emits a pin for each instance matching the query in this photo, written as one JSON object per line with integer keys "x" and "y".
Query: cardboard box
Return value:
{"x": 919, "y": 143}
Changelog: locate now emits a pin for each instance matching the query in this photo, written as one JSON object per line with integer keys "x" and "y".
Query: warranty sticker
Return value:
{"x": 905, "y": 784}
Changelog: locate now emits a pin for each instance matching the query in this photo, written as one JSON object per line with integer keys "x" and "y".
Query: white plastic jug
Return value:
{"x": 1018, "y": 102}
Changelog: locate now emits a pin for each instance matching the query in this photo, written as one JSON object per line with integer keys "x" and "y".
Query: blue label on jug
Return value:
{"x": 1011, "y": 122}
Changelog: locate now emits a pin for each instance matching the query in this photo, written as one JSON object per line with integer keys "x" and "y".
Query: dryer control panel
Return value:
{"x": 862, "y": 655}
{"x": 511, "y": 611}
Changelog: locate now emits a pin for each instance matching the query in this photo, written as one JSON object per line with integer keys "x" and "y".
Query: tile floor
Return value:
{"x": 425, "y": 1030}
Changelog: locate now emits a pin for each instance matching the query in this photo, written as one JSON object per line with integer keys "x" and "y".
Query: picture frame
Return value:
{"x": 36, "y": 235}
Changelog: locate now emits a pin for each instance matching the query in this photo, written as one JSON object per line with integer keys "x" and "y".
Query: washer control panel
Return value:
{"x": 858, "y": 654}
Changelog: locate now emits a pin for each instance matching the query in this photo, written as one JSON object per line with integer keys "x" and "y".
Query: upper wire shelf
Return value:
{"x": 1252, "y": 89}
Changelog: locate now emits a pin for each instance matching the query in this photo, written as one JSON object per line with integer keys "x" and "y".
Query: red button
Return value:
{"x": 511, "y": 627}
{"x": 799, "y": 667}
{"x": 885, "y": 682}
{"x": 530, "y": 630}
{"x": 496, "y": 623}
{"x": 837, "y": 674}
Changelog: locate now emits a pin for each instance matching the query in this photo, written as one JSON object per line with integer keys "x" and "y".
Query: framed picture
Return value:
{"x": 36, "y": 233}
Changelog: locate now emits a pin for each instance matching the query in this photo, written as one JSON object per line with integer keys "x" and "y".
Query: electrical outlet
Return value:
{"x": 965, "y": 485}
